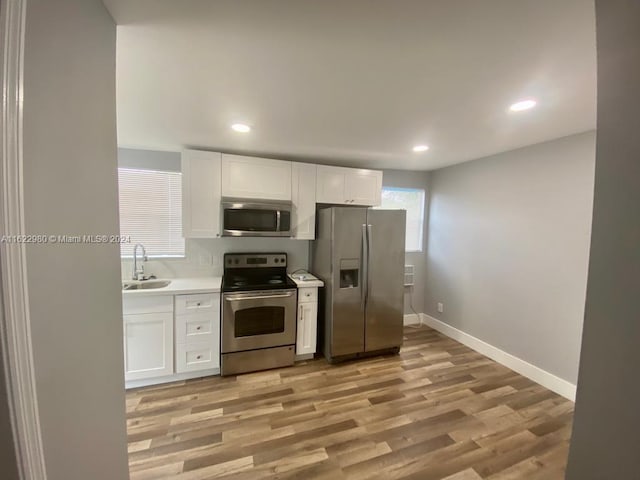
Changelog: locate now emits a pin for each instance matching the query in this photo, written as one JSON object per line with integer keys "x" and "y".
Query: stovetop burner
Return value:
{"x": 245, "y": 272}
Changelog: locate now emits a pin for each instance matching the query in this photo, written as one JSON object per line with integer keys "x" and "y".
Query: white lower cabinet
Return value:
{"x": 307, "y": 331}
{"x": 148, "y": 345}
{"x": 197, "y": 332}
{"x": 159, "y": 345}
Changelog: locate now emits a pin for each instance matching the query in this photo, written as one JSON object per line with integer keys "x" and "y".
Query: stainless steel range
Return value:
{"x": 258, "y": 313}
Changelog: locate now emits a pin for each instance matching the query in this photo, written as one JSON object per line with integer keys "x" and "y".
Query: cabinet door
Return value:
{"x": 201, "y": 194}
{"x": 364, "y": 187}
{"x": 303, "y": 195}
{"x": 253, "y": 177}
{"x": 148, "y": 345}
{"x": 307, "y": 328}
{"x": 330, "y": 186}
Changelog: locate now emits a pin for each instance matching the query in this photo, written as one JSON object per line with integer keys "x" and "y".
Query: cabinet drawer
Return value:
{"x": 197, "y": 327}
{"x": 307, "y": 295}
{"x": 147, "y": 304}
{"x": 199, "y": 303}
{"x": 197, "y": 356}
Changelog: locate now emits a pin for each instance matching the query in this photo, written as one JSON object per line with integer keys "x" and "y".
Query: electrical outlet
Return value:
{"x": 440, "y": 307}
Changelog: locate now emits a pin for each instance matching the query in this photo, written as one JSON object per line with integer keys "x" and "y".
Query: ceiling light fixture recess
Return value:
{"x": 420, "y": 148}
{"x": 523, "y": 105}
{"x": 241, "y": 127}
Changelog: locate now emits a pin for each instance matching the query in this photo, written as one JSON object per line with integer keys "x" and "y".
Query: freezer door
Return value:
{"x": 347, "y": 319}
{"x": 385, "y": 283}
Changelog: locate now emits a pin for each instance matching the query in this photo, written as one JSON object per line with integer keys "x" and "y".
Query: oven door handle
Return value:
{"x": 256, "y": 297}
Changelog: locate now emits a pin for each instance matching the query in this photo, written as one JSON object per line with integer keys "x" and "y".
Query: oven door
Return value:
{"x": 262, "y": 319}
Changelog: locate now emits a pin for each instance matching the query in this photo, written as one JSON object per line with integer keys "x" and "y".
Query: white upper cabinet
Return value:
{"x": 350, "y": 186}
{"x": 201, "y": 193}
{"x": 330, "y": 187}
{"x": 303, "y": 196}
{"x": 364, "y": 187}
{"x": 253, "y": 177}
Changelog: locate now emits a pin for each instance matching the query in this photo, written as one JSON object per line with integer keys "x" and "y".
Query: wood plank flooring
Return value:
{"x": 436, "y": 411}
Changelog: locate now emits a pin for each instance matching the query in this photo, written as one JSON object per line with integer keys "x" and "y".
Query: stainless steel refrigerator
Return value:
{"x": 359, "y": 254}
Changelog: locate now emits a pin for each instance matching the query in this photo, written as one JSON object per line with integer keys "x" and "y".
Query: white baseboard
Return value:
{"x": 177, "y": 377}
{"x": 412, "y": 319}
{"x": 544, "y": 378}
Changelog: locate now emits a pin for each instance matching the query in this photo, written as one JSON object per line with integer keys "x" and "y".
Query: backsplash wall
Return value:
{"x": 204, "y": 256}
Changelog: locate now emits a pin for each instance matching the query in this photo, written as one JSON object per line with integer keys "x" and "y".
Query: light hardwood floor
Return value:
{"x": 438, "y": 410}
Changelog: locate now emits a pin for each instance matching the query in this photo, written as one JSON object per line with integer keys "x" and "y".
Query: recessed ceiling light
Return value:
{"x": 522, "y": 105}
{"x": 241, "y": 127}
{"x": 420, "y": 148}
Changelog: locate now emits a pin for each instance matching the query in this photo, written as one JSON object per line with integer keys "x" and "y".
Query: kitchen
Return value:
{"x": 346, "y": 253}
{"x": 243, "y": 203}
{"x": 222, "y": 333}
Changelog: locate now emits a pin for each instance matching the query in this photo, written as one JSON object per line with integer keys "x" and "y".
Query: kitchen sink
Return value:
{"x": 145, "y": 285}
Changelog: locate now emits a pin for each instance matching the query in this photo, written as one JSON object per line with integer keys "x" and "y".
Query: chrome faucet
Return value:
{"x": 138, "y": 273}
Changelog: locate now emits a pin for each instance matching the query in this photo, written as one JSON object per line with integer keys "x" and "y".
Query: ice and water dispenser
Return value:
{"x": 349, "y": 272}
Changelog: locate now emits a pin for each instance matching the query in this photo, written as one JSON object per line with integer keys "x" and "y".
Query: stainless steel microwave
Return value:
{"x": 255, "y": 218}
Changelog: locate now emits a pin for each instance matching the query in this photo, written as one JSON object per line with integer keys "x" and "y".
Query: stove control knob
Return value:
{"x": 277, "y": 260}
{"x": 237, "y": 261}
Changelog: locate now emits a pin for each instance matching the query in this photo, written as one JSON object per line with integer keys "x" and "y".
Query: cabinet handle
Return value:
{"x": 301, "y": 313}
{"x": 198, "y": 304}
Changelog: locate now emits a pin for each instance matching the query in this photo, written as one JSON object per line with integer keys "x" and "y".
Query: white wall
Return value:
{"x": 8, "y": 461}
{"x": 71, "y": 188}
{"x": 200, "y": 251}
{"x": 605, "y": 443}
{"x": 508, "y": 250}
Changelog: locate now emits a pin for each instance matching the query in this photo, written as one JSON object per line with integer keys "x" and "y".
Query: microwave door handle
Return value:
{"x": 277, "y": 220}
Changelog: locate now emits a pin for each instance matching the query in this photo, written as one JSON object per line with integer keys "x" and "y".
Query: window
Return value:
{"x": 411, "y": 200}
{"x": 151, "y": 211}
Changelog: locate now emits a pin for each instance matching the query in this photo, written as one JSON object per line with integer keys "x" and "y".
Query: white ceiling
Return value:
{"x": 355, "y": 82}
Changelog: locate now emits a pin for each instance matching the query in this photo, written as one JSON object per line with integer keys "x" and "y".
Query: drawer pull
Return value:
{"x": 198, "y": 304}
{"x": 198, "y": 328}
{"x": 199, "y": 357}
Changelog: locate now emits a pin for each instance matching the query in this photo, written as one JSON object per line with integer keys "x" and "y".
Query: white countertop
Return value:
{"x": 310, "y": 282}
{"x": 179, "y": 286}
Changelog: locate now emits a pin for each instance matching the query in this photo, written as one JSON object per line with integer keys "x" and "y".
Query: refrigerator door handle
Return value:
{"x": 369, "y": 247}
{"x": 364, "y": 268}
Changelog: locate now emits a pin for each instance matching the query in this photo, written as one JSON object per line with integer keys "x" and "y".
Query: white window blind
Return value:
{"x": 411, "y": 200}
{"x": 151, "y": 211}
